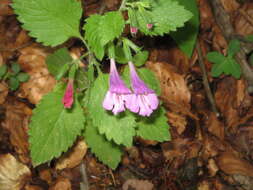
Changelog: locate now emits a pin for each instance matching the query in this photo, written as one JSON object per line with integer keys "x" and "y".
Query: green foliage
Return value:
{"x": 233, "y": 47}
{"x": 53, "y": 129}
{"x": 154, "y": 127}
{"x": 13, "y": 83}
{"x": 3, "y": 70}
{"x": 140, "y": 58}
{"x": 23, "y": 77}
{"x": 58, "y": 62}
{"x": 99, "y": 30}
{"x": 118, "y": 128}
{"x": 186, "y": 36}
{"x": 15, "y": 68}
{"x": 107, "y": 151}
{"x": 166, "y": 15}
{"x": 52, "y": 22}
{"x": 226, "y": 65}
{"x": 13, "y": 75}
{"x": 250, "y": 38}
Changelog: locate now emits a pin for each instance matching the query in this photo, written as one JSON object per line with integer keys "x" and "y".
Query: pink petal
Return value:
{"x": 108, "y": 101}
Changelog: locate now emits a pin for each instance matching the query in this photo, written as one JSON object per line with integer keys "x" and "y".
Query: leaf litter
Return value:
{"x": 206, "y": 151}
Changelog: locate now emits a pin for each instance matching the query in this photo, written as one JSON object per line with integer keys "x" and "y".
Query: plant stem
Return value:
{"x": 122, "y": 6}
{"x": 205, "y": 80}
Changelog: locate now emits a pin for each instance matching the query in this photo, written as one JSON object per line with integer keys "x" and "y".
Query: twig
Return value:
{"x": 205, "y": 80}
{"x": 223, "y": 20}
{"x": 113, "y": 179}
{"x": 84, "y": 185}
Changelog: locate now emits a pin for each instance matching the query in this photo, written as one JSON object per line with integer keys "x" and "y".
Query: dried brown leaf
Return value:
{"x": 16, "y": 122}
{"x": 61, "y": 184}
{"x": 231, "y": 164}
{"x": 244, "y": 21}
{"x": 74, "y": 157}
{"x": 13, "y": 174}
{"x": 3, "y": 92}
{"x": 32, "y": 61}
{"x": 137, "y": 185}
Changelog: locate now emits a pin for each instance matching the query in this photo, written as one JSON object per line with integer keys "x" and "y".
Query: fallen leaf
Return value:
{"x": 61, "y": 184}
{"x": 13, "y": 174}
{"x": 244, "y": 21}
{"x": 32, "y": 61}
{"x": 137, "y": 185}
{"x": 16, "y": 122}
{"x": 3, "y": 92}
{"x": 74, "y": 157}
{"x": 231, "y": 164}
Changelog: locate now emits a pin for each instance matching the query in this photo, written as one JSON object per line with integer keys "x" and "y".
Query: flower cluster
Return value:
{"x": 141, "y": 100}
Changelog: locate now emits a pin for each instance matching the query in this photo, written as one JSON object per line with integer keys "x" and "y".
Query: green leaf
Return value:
{"x": 23, "y": 77}
{"x": 53, "y": 129}
{"x": 233, "y": 47}
{"x": 99, "y": 30}
{"x": 215, "y": 57}
{"x": 57, "y": 63}
{"x": 186, "y": 37}
{"x": 52, "y": 22}
{"x": 15, "y": 68}
{"x": 13, "y": 83}
{"x": 167, "y": 16}
{"x": 249, "y": 38}
{"x": 146, "y": 75}
{"x": 229, "y": 67}
{"x": 154, "y": 127}
{"x": 81, "y": 80}
{"x": 3, "y": 70}
{"x": 119, "y": 128}
{"x": 106, "y": 151}
{"x": 140, "y": 58}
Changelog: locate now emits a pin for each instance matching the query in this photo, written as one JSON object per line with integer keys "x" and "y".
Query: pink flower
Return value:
{"x": 149, "y": 26}
{"x": 118, "y": 92}
{"x": 144, "y": 101}
{"x": 133, "y": 30}
{"x": 68, "y": 96}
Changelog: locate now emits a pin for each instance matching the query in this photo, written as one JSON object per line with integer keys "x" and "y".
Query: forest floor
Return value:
{"x": 212, "y": 142}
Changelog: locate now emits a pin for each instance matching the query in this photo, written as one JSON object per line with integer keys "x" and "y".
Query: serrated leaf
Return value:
{"x": 167, "y": 16}
{"x": 15, "y": 68}
{"x": 52, "y": 22}
{"x": 13, "y": 83}
{"x": 56, "y": 62}
{"x": 106, "y": 151}
{"x": 99, "y": 30}
{"x": 186, "y": 36}
{"x": 23, "y": 77}
{"x": 228, "y": 67}
{"x": 3, "y": 70}
{"x": 233, "y": 47}
{"x": 154, "y": 127}
{"x": 53, "y": 129}
{"x": 118, "y": 128}
{"x": 146, "y": 75}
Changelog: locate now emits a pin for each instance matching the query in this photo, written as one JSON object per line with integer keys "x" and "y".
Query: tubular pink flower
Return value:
{"x": 118, "y": 92}
{"x": 149, "y": 26}
{"x": 68, "y": 96}
{"x": 144, "y": 101}
{"x": 133, "y": 30}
